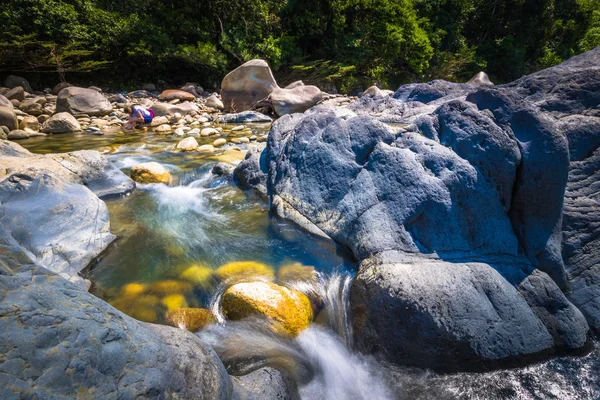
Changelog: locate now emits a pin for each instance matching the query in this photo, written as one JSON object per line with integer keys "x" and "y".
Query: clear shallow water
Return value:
{"x": 204, "y": 220}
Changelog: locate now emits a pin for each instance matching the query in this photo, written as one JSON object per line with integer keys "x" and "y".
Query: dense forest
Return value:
{"x": 345, "y": 43}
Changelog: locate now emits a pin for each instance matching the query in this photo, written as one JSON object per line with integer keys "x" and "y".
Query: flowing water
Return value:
{"x": 168, "y": 234}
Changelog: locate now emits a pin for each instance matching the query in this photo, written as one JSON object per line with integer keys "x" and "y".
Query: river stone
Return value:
{"x": 150, "y": 172}
{"x": 191, "y": 319}
{"x": 172, "y": 94}
{"x": 294, "y": 85}
{"x": 246, "y": 85}
{"x": 17, "y": 93}
{"x": 166, "y": 109}
{"x": 219, "y": 142}
{"x": 455, "y": 316}
{"x": 70, "y": 225}
{"x": 480, "y": 79}
{"x": 76, "y": 100}
{"x": 244, "y": 117}
{"x": 60, "y": 341}
{"x": 265, "y": 384}
{"x": 296, "y": 100}
{"x": 214, "y": 102}
{"x": 374, "y": 90}
{"x": 30, "y": 122}
{"x": 56, "y": 90}
{"x": 61, "y": 123}
{"x": 290, "y": 309}
{"x": 223, "y": 169}
{"x": 14, "y": 81}
{"x": 4, "y": 102}
{"x": 251, "y": 173}
{"x": 187, "y": 144}
{"x": 209, "y": 132}
{"x": 206, "y": 148}
{"x": 163, "y": 128}
{"x": 17, "y": 134}
{"x": 8, "y": 118}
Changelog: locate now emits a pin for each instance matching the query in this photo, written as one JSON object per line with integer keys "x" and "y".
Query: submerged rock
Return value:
{"x": 150, "y": 172}
{"x": 290, "y": 309}
{"x": 239, "y": 271}
{"x": 191, "y": 319}
{"x": 246, "y": 85}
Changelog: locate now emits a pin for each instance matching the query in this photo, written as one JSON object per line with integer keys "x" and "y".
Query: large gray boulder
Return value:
{"x": 8, "y": 118}
{"x": 58, "y": 341}
{"x": 457, "y": 217}
{"x": 295, "y": 100}
{"x": 246, "y": 85}
{"x": 61, "y": 123}
{"x": 4, "y": 102}
{"x": 76, "y": 100}
{"x": 56, "y": 221}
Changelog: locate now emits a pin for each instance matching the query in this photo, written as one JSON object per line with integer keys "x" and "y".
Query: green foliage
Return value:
{"x": 346, "y": 43}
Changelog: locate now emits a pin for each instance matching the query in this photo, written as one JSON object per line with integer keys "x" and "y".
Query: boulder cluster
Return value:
{"x": 474, "y": 221}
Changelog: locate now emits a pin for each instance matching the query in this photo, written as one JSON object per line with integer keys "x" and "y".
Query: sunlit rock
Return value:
{"x": 239, "y": 271}
{"x": 247, "y": 85}
{"x": 168, "y": 287}
{"x": 133, "y": 289}
{"x": 290, "y": 309}
{"x": 174, "y": 302}
{"x": 198, "y": 275}
{"x": 150, "y": 172}
{"x": 192, "y": 319}
{"x": 296, "y": 272}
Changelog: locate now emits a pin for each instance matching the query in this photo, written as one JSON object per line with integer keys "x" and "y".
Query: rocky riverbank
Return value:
{"x": 474, "y": 223}
{"x": 472, "y": 211}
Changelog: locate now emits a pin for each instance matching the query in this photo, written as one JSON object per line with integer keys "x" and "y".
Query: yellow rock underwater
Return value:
{"x": 142, "y": 308}
{"x": 296, "y": 272}
{"x": 165, "y": 288}
{"x": 290, "y": 309}
{"x": 192, "y": 319}
{"x": 240, "y": 271}
{"x": 198, "y": 275}
{"x": 174, "y": 301}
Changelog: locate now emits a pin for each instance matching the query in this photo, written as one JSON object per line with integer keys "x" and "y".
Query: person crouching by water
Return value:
{"x": 137, "y": 114}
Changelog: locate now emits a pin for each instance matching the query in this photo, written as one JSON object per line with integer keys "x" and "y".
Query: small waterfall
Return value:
{"x": 320, "y": 358}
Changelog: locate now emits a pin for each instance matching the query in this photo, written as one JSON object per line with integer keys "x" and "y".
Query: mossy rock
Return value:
{"x": 289, "y": 309}
{"x": 239, "y": 271}
{"x": 150, "y": 172}
{"x": 174, "y": 302}
{"x": 296, "y": 272}
{"x": 198, "y": 275}
{"x": 168, "y": 287}
{"x": 142, "y": 308}
{"x": 192, "y": 319}
{"x": 133, "y": 289}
